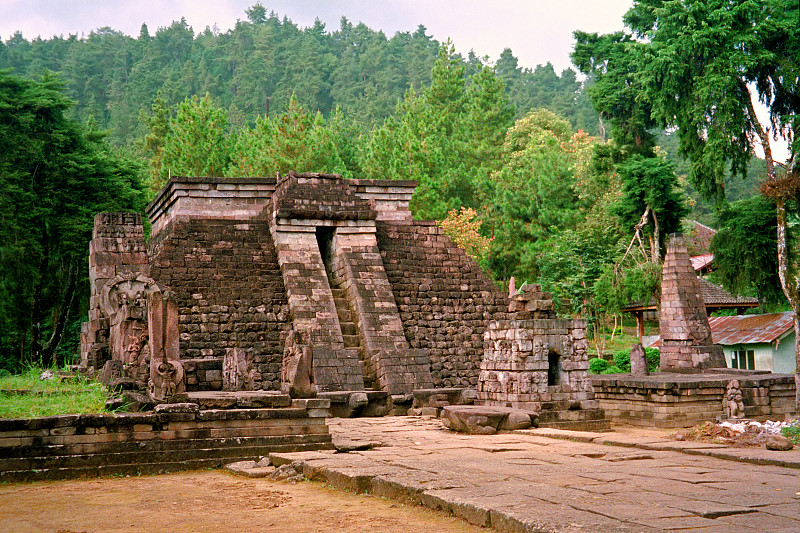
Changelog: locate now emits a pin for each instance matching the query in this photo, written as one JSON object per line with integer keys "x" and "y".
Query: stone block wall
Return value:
{"x": 677, "y": 400}
{"x": 516, "y": 365}
{"x": 444, "y": 299}
{"x": 686, "y": 344}
{"x": 88, "y": 445}
{"x": 230, "y": 294}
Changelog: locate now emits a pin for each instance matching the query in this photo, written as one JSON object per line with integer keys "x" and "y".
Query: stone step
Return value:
{"x": 579, "y": 425}
{"x": 348, "y": 328}
{"x": 351, "y": 341}
{"x": 571, "y": 415}
{"x": 153, "y": 464}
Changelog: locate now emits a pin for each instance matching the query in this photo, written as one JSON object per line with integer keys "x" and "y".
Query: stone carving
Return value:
{"x": 639, "y": 361}
{"x": 734, "y": 406}
{"x": 166, "y": 371}
{"x": 124, "y": 301}
{"x": 297, "y": 372}
{"x": 539, "y": 362}
{"x": 237, "y": 370}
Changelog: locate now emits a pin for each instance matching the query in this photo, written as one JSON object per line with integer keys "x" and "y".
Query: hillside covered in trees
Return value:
{"x": 538, "y": 175}
{"x": 254, "y": 68}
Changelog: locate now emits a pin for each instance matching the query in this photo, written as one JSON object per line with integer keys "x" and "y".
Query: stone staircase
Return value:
{"x": 352, "y": 341}
{"x": 569, "y": 415}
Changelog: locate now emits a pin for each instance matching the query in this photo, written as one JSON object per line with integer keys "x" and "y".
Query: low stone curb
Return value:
{"x": 758, "y": 456}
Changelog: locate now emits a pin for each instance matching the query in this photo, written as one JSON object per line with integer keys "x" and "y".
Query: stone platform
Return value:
{"x": 672, "y": 400}
{"x": 529, "y": 481}
{"x": 174, "y": 437}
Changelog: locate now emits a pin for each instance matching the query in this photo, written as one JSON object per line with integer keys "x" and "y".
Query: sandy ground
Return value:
{"x": 206, "y": 501}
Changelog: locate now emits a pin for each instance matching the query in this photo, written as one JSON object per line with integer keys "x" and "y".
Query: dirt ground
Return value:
{"x": 206, "y": 501}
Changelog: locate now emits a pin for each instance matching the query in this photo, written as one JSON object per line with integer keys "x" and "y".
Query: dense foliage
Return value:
{"x": 537, "y": 174}
{"x": 55, "y": 174}
{"x": 255, "y": 68}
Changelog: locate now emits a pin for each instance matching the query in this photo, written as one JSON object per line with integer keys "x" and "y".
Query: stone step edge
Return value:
{"x": 657, "y": 444}
{"x": 346, "y": 480}
{"x": 141, "y": 468}
{"x": 124, "y": 457}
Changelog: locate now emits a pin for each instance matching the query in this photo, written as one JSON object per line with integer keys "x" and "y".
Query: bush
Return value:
{"x": 622, "y": 360}
{"x": 653, "y": 359}
{"x": 792, "y": 432}
{"x": 597, "y": 365}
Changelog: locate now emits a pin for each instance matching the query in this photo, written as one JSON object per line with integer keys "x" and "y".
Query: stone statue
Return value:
{"x": 734, "y": 406}
{"x": 297, "y": 372}
{"x": 639, "y": 361}
{"x": 166, "y": 371}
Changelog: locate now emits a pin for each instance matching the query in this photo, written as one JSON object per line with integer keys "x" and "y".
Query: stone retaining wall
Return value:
{"x": 88, "y": 445}
{"x": 230, "y": 294}
{"x": 678, "y": 400}
{"x": 445, "y": 301}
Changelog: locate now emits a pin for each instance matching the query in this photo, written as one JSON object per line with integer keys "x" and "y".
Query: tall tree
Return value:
{"x": 197, "y": 143}
{"x": 54, "y": 176}
{"x": 703, "y": 63}
{"x": 744, "y": 249}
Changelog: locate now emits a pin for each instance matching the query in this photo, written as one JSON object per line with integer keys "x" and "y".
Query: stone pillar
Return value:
{"x": 686, "y": 344}
{"x": 166, "y": 370}
{"x": 117, "y": 247}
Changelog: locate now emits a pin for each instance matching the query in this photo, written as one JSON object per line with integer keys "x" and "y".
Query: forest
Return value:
{"x": 548, "y": 177}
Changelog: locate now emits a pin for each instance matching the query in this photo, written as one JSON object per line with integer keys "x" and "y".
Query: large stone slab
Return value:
{"x": 485, "y": 420}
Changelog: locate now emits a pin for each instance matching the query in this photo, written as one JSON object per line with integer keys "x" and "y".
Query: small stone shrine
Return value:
{"x": 538, "y": 362}
{"x": 686, "y": 344}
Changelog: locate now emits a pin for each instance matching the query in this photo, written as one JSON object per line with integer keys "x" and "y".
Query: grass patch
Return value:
{"x": 49, "y": 397}
{"x": 792, "y": 432}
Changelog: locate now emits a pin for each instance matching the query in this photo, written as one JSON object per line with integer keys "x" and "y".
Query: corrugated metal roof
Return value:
{"x": 701, "y": 261}
{"x": 750, "y": 329}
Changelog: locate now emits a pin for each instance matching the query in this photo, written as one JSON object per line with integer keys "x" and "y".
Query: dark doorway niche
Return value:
{"x": 325, "y": 243}
{"x": 553, "y": 369}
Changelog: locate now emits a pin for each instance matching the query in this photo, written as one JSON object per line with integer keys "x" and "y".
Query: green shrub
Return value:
{"x": 792, "y": 432}
{"x": 653, "y": 359}
{"x": 49, "y": 397}
{"x": 622, "y": 360}
{"x": 597, "y": 365}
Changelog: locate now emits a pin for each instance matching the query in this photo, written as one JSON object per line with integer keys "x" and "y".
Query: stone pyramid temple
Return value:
{"x": 252, "y": 270}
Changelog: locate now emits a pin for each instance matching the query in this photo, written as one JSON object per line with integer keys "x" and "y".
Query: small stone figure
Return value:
{"x": 297, "y": 373}
{"x": 639, "y": 361}
{"x": 734, "y": 406}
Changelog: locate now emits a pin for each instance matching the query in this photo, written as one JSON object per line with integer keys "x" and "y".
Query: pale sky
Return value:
{"x": 537, "y": 31}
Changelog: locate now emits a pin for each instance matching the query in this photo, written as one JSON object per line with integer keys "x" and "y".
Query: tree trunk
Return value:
{"x": 789, "y": 286}
{"x": 60, "y": 318}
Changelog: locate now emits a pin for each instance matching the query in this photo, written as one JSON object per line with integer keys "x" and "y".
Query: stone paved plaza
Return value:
{"x": 551, "y": 480}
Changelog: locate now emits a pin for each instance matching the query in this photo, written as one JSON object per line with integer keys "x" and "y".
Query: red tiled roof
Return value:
{"x": 750, "y": 329}
{"x": 714, "y": 296}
